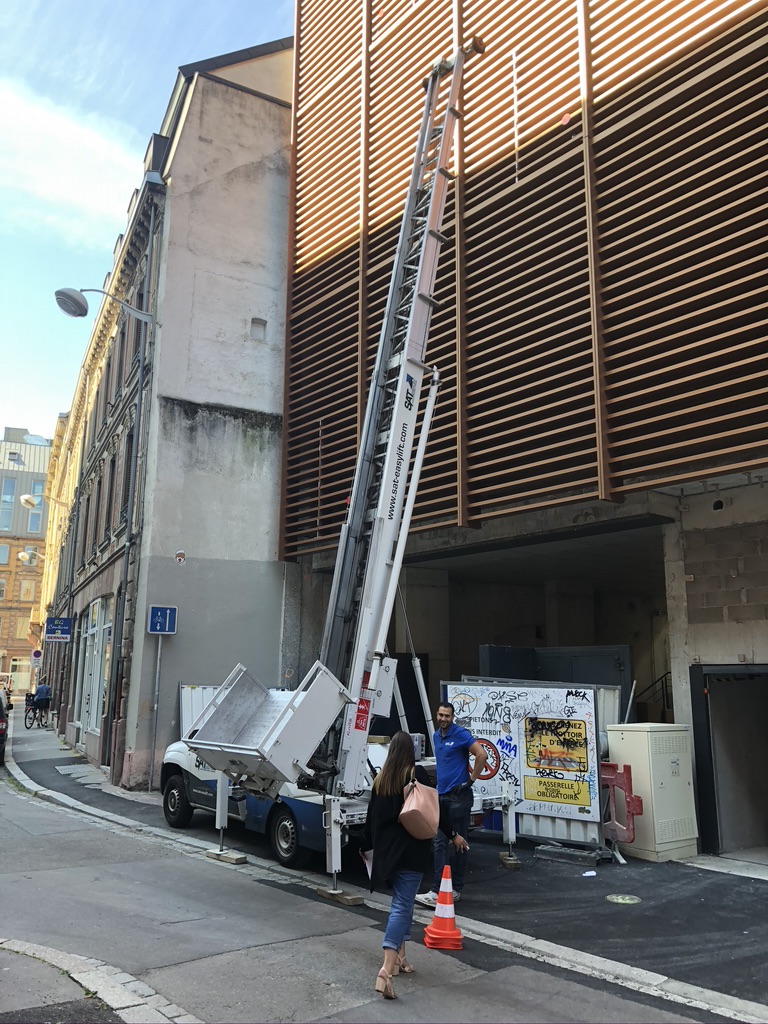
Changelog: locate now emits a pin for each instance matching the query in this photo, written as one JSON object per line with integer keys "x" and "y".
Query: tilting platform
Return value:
{"x": 264, "y": 734}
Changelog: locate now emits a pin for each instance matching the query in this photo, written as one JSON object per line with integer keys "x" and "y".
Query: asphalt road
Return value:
{"x": 696, "y": 928}
{"x": 251, "y": 944}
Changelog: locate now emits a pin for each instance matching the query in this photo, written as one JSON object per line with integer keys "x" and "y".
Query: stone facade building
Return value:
{"x": 24, "y": 462}
{"x": 170, "y": 457}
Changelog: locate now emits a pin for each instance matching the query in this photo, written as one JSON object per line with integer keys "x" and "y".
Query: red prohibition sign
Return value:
{"x": 491, "y": 766}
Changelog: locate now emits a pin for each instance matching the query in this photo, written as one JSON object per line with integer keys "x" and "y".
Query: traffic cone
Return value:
{"x": 443, "y": 933}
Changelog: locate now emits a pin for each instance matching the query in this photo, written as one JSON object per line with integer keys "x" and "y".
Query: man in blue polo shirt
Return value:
{"x": 453, "y": 746}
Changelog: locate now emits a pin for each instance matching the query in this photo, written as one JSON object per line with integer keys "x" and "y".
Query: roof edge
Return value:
{"x": 236, "y": 57}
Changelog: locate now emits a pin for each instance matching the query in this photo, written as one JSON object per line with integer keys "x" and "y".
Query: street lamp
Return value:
{"x": 74, "y": 303}
{"x": 25, "y": 558}
{"x": 32, "y": 501}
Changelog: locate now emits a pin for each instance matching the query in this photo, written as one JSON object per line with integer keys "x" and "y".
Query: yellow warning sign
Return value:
{"x": 556, "y": 791}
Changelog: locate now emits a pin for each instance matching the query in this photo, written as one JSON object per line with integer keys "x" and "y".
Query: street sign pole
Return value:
{"x": 161, "y": 620}
{"x": 154, "y": 710}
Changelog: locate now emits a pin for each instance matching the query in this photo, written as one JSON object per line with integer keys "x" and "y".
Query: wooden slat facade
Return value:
{"x": 602, "y": 314}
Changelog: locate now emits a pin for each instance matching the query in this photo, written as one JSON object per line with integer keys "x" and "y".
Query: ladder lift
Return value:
{"x": 353, "y": 678}
{"x": 373, "y": 538}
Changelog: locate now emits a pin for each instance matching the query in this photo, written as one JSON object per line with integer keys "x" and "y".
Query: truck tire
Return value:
{"x": 176, "y": 807}
{"x": 284, "y": 839}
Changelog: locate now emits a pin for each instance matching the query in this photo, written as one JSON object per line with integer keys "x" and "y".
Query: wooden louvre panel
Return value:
{"x": 322, "y": 403}
{"x": 530, "y": 382}
{"x": 684, "y": 220}
{"x": 398, "y": 68}
{"x": 606, "y": 340}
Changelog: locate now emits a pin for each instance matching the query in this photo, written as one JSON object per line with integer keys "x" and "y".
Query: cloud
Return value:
{"x": 62, "y": 171}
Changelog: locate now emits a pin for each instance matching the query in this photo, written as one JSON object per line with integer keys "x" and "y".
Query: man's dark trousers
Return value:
{"x": 458, "y": 807}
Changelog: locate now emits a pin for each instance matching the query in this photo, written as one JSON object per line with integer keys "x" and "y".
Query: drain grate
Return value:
{"x": 81, "y": 773}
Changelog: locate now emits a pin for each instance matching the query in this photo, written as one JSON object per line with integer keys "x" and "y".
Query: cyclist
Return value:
{"x": 42, "y": 701}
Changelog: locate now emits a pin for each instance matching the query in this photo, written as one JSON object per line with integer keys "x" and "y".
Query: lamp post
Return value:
{"x": 25, "y": 558}
{"x": 73, "y": 302}
{"x": 31, "y": 501}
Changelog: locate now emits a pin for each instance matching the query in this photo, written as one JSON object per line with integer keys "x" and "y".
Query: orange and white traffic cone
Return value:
{"x": 443, "y": 933}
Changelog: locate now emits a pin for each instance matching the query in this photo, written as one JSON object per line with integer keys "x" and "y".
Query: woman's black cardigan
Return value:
{"x": 394, "y": 849}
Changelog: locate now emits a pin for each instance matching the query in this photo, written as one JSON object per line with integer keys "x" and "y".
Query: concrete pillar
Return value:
{"x": 677, "y": 622}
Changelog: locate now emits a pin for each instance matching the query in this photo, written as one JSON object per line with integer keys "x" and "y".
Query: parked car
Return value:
{"x": 3, "y": 728}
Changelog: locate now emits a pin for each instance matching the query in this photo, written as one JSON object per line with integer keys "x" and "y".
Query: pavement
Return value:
{"x": 692, "y": 937}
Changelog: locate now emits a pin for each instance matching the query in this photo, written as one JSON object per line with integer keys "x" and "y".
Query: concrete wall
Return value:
{"x": 726, "y": 579}
{"x": 716, "y": 564}
{"x": 222, "y": 292}
{"x": 230, "y": 612}
{"x": 271, "y": 74}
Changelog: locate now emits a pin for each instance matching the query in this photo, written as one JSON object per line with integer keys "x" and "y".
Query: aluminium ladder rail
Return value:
{"x": 373, "y": 536}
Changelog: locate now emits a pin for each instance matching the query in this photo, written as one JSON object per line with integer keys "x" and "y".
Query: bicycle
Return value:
{"x": 34, "y": 714}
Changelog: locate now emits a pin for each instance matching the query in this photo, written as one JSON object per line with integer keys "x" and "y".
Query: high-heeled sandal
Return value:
{"x": 401, "y": 964}
{"x": 384, "y": 985}
{"x": 403, "y": 967}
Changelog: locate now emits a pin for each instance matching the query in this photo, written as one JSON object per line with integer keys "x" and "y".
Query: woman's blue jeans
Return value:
{"x": 405, "y": 885}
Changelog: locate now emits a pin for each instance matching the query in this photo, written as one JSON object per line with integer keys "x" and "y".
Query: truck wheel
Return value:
{"x": 176, "y": 808}
{"x": 284, "y": 839}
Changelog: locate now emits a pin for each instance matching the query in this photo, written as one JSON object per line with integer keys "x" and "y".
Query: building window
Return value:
{"x": 4, "y": 553}
{"x": 7, "y": 497}
{"x": 126, "y": 488}
{"x": 84, "y": 528}
{"x": 95, "y": 658}
{"x": 106, "y": 388}
{"x": 109, "y": 508}
{"x": 2, "y": 590}
{"x": 120, "y": 367}
{"x": 96, "y": 517}
{"x": 138, "y": 327}
{"x": 92, "y": 419}
{"x": 27, "y": 590}
{"x": 22, "y": 627}
{"x": 35, "y": 521}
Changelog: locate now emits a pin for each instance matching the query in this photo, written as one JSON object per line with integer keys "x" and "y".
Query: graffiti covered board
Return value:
{"x": 540, "y": 737}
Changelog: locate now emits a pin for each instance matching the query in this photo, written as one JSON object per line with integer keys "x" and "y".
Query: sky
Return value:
{"x": 83, "y": 85}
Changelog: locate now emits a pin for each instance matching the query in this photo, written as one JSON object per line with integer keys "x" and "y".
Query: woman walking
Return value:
{"x": 399, "y": 860}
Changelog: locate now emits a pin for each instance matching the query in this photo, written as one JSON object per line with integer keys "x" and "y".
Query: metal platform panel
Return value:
{"x": 265, "y": 734}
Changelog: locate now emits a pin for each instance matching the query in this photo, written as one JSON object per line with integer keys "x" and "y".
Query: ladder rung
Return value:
{"x": 446, "y": 173}
{"x": 442, "y": 239}
{"x": 429, "y": 300}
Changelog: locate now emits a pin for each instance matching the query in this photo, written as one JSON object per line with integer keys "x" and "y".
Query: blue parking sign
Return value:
{"x": 161, "y": 619}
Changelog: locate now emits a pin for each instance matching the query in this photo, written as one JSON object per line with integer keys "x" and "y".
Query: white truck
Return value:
{"x": 300, "y": 762}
